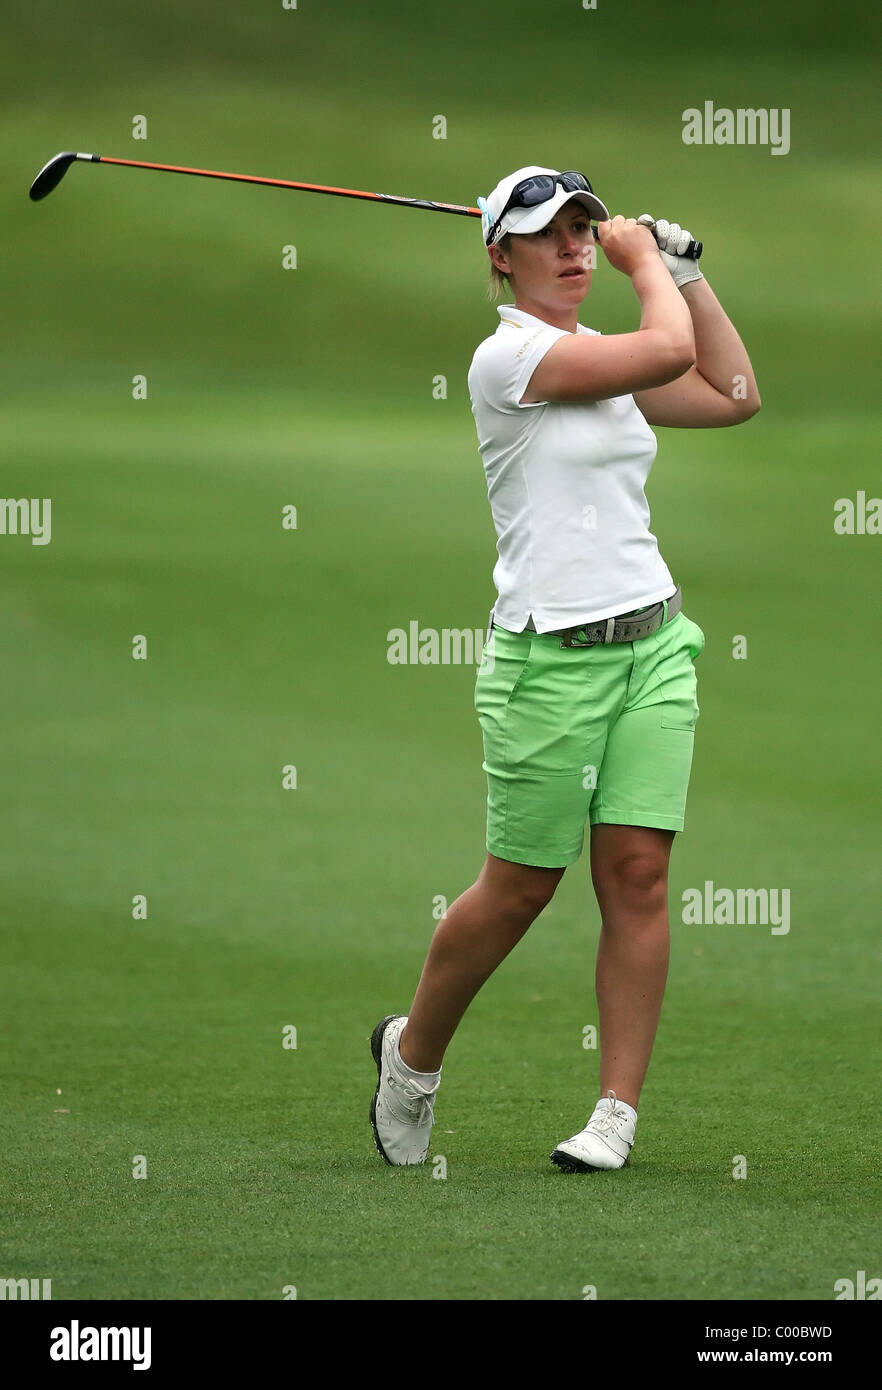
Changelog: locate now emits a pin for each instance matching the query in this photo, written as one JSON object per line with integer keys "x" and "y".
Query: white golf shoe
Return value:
{"x": 605, "y": 1142}
{"x": 402, "y": 1108}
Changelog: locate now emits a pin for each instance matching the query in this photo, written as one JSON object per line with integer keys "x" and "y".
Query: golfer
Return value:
{"x": 586, "y": 692}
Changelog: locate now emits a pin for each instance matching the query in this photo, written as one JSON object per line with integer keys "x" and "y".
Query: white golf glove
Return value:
{"x": 672, "y": 242}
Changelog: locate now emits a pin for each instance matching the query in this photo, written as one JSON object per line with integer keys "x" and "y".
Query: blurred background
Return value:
{"x": 313, "y": 387}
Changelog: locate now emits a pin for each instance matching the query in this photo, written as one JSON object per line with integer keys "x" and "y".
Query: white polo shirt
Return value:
{"x": 566, "y": 487}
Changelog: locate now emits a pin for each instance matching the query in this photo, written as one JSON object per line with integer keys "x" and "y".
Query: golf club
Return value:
{"x": 51, "y": 174}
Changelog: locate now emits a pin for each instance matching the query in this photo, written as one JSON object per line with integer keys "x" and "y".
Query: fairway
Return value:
{"x": 161, "y": 1137}
{"x": 313, "y": 907}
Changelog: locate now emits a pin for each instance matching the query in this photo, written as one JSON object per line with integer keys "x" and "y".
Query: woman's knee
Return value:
{"x": 520, "y": 891}
{"x": 637, "y": 880}
{"x": 629, "y": 866}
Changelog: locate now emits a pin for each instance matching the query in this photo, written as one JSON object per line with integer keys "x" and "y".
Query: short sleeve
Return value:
{"x": 504, "y": 370}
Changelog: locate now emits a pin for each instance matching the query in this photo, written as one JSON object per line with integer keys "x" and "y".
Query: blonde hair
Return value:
{"x": 499, "y": 281}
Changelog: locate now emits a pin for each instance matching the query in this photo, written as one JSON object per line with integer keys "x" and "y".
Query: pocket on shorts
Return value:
{"x": 681, "y": 720}
{"x": 680, "y": 710}
{"x": 503, "y": 663}
{"x": 696, "y": 646}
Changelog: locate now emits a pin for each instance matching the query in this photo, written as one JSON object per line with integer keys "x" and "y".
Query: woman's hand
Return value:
{"x": 673, "y": 240}
{"x": 626, "y": 244}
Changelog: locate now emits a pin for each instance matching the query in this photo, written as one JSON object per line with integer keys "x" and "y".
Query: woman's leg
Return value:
{"x": 629, "y": 868}
{"x": 475, "y": 935}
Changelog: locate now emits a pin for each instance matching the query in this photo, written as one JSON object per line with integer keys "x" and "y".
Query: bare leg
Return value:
{"x": 476, "y": 934}
{"x": 629, "y": 868}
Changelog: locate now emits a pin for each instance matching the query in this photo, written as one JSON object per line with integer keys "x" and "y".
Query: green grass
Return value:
{"x": 313, "y": 907}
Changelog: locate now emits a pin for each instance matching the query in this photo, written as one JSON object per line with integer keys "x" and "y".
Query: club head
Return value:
{"x": 51, "y": 175}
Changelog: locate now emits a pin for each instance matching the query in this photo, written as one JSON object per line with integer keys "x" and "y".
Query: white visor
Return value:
{"x": 523, "y": 220}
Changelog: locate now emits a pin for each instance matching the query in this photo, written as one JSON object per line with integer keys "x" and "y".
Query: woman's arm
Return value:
{"x": 583, "y": 367}
{"x": 721, "y": 388}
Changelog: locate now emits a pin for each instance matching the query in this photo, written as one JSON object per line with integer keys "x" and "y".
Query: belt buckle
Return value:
{"x": 568, "y": 641}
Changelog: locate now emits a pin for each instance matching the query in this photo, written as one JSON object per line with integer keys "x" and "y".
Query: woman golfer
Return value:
{"x": 586, "y": 692}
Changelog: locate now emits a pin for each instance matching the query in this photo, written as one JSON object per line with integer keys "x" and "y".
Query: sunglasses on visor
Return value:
{"x": 538, "y": 189}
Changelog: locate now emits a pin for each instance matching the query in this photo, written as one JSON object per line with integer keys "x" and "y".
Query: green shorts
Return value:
{"x": 602, "y": 734}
